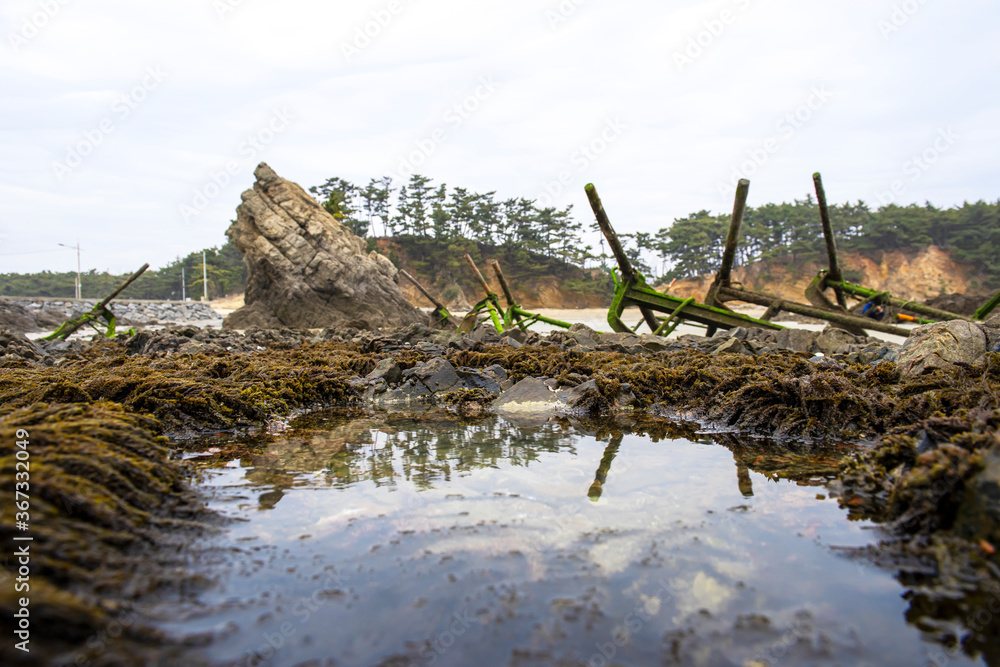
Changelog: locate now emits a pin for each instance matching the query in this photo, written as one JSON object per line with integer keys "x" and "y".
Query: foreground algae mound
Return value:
{"x": 103, "y": 498}
{"x": 110, "y": 509}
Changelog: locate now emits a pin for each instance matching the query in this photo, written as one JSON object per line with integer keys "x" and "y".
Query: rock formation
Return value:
{"x": 305, "y": 269}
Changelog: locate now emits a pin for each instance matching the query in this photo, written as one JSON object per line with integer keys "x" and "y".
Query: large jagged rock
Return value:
{"x": 305, "y": 269}
{"x": 942, "y": 345}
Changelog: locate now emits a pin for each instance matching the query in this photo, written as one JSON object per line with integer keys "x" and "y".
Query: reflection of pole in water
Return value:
{"x": 602, "y": 471}
{"x": 743, "y": 480}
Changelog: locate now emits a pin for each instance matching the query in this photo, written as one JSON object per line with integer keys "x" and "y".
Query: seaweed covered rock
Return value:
{"x": 305, "y": 269}
{"x": 103, "y": 494}
{"x": 15, "y": 317}
{"x": 942, "y": 345}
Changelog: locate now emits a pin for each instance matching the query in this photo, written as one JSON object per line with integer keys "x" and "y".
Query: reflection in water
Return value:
{"x": 602, "y": 470}
{"x": 427, "y": 540}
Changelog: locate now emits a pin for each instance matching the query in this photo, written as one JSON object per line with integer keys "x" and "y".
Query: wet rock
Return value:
{"x": 476, "y": 379}
{"x": 530, "y": 395}
{"x": 485, "y": 333}
{"x": 740, "y": 333}
{"x": 619, "y": 342}
{"x": 306, "y": 269}
{"x": 386, "y": 370}
{"x": 732, "y": 346}
{"x": 437, "y": 374}
{"x": 497, "y": 371}
{"x": 510, "y": 341}
{"x": 17, "y": 345}
{"x": 991, "y": 328}
{"x": 625, "y": 397}
{"x": 653, "y": 343}
{"x": 876, "y": 352}
{"x": 410, "y": 391}
{"x": 979, "y": 515}
{"x": 798, "y": 340}
{"x": 960, "y": 304}
{"x": 582, "y": 397}
{"x": 831, "y": 340}
{"x": 520, "y": 335}
{"x": 942, "y": 345}
{"x": 16, "y": 318}
{"x": 585, "y": 337}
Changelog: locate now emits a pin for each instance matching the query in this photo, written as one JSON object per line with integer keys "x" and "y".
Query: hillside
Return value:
{"x": 920, "y": 275}
{"x": 536, "y": 281}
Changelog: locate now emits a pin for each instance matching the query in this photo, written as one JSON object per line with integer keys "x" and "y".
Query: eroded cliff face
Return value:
{"x": 305, "y": 269}
{"x": 919, "y": 276}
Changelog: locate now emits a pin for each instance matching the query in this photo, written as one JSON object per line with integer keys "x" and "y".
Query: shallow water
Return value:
{"x": 420, "y": 541}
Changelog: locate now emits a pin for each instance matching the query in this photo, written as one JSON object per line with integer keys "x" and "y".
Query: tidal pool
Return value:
{"x": 424, "y": 540}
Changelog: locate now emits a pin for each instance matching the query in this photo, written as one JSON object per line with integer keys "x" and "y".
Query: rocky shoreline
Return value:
{"x": 926, "y": 413}
{"x": 46, "y": 314}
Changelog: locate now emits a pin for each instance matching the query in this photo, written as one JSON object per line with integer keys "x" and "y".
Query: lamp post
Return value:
{"x": 79, "y": 286}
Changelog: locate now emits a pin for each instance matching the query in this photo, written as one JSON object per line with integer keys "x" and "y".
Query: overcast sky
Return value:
{"x": 134, "y": 126}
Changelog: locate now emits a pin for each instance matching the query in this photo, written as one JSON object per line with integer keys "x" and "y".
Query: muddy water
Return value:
{"x": 402, "y": 541}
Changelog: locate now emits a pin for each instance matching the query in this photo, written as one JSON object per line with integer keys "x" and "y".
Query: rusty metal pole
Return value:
{"x": 479, "y": 276}
{"x": 629, "y": 275}
{"x": 831, "y": 240}
{"x": 733, "y": 238}
{"x": 427, "y": 295}
{"x": 722, "y": 278}
{"x": 507, "y": 294}
{"x": 624, "y": 265}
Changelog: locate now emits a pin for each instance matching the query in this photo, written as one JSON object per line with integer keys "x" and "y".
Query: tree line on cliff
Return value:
{"x": 434, "y": 226}
{"x": 427, "y": 215}
{"x": 791, "y": 232}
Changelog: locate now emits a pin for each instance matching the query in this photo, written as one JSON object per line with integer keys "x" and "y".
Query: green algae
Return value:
{"x": 194, "y": 391}
{"x": 102, "y": 494}
{"x": 107, "y": 492}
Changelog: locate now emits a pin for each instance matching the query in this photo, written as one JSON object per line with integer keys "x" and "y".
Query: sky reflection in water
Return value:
{"x": 437, "y": 542}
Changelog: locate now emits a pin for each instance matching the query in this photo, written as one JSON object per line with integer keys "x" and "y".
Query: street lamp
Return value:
{"x": 79, "y": 286}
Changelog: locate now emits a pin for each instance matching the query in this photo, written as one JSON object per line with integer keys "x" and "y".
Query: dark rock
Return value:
{"x": 475, "y": 379}
{"x": 585, "y": 337}
{"x": 497, "y": 371}
{"x": 739, "y": 333}
{"x": 386, "y": 370}
{"x": 625, "y": 397}
{"x": 960, "y": 304}
{"x": 582, "y": 397}
{"x": 510, "y": 341}
{"x": 17, "y": 345}
{"x": 409, "y": 391}
{"x": 831, "y": 339}
{"x": 797, "y": 340}
{"x": 732, "y": 346}
{"x": 653, "y": 343}
{"x": 16, "y": 318}
{"x": 991, "y": 327}
{"x": 252, "y": 315}
{"x": 942, "y": 345}
{"x": 979, "y": 515}
{"x": 306, "y": 269}
{"x": 530, "y": 395}
{"x": 485, "y": 333}
{"x": 520, "y": 335}
{"x": 437, "y": 375}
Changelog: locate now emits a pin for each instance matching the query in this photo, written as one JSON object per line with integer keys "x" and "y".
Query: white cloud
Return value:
{"x": 688, "y": 129}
